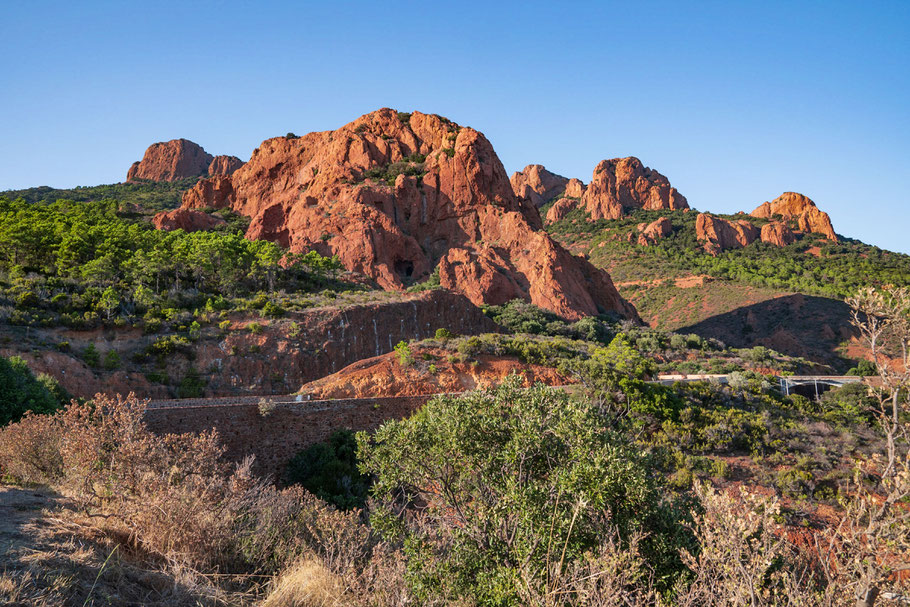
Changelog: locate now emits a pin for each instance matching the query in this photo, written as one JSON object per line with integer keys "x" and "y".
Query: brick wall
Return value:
{"x": 275, "y": 438}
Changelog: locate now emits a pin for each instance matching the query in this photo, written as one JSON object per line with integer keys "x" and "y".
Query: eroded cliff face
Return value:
{"x": 170, "y": 161}
{"x": 279, "y": 357}
{"x": 625, "y": 183}
{"x": 792, "y": 205}
{"x": 537, "y": 185}
{"x": 178, "y": 159}
{"x": 188, "y": 220}
{"x": 396, "y": 196}
{"x": 719, "y": 234}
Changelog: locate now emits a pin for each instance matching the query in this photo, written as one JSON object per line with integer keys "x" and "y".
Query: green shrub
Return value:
{"x": 111, "y": 360}
{"x": 523, "y": 470}
{"x": 91, "y": 356}
{"x": 405, "y": 358}
{"x": 329, "y": 471}
{"x": 21, "y": 391}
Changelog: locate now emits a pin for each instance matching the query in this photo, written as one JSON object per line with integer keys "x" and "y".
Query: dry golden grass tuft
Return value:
{"x": 306, "y": 584}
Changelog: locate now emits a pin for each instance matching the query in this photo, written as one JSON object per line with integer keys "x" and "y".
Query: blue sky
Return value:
{"x": 735, "y": 102}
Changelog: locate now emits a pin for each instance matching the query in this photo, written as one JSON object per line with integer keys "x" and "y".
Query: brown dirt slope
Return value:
{"x": 433, "y": 371}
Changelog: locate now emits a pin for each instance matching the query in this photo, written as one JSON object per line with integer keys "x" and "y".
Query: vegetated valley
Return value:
{"x": 465, "y": 388}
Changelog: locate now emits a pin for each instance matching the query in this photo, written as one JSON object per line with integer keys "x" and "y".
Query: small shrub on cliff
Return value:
{"x": 91, "y": 356}
{"x": 111, "y": 360}
{"x": 403, "y": 350}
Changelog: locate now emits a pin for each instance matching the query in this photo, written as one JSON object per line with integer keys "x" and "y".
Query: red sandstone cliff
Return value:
{"x": 791, "y": 205}
{"x": 397, "y": 195}
{"x": 224, "y": 165}
{"x": 777, "y": 234}
{"x": 537, "y": 185}
{"x": 560, "y": 209}
{"x": 719, "y": 234}
{"x": 170, "y": 161}
{"x": 624, "y": 183}
{"x": 178, "y": 159}
{"x": 650, "y": 233}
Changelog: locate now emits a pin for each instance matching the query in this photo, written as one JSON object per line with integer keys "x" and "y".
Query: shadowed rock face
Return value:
{"x": 791, "y": 205}
{"x": 625, "y": 183}
{"x": 397, "y": 195}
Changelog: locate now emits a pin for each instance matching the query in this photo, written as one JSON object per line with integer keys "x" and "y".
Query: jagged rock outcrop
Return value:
{"x": 396, "y": 195}
{"x": 720, "y": 234}
{"x": 537, "y": 185}
{"x": 170, "y": 161}
{"x": 574, "y": 188}
{"x": 188, "y": 220}
{"x": 178, "y": 159}
{"x": 777, "y": 233}
{"x": 560, "y": 209}
{"x": 792, "y": 205}
{"x": 625, "y": 183}
{"x": 224, "y": 165}
{"x": 650, "y": 233}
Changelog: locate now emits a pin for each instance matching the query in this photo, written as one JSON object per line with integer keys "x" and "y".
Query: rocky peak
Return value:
{"x": 575, "y": 188}
{"x": 178, "y": 159}
{"x": 224, "y": 165}
{"x": 537, "y": 185}
{"x": 792, "y": 205}
{"x": 397, "y": 195}
{"x": 625, "y": 183}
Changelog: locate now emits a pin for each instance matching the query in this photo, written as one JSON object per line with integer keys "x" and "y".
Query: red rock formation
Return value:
{"x": 537, "y": 185}
{"x": 654, "y": 231}
{"x": 720, "y": 234}
{"x": 224, "y": 165}
{"x": 383, "y": 376}
{"x": 170, "y": 161}
{"x": 791, "y": 205}
{"x": 560, "y": 209}
{"x": 575, "y": 188}
{"x": 187, "y": 220}
{"x": 777, "y": 233}
{"x": 395, "y": 197}
{"x": 624, "y": 183}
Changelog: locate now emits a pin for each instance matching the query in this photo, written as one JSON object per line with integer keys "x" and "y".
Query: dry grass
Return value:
{"x": 306, "y": 584}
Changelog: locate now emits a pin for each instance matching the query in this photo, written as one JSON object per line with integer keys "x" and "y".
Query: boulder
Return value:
{"x": 654, "y": 231}
{"x": 625, "y": 183}
{"x": 188, "y": 220}
{"x": 396, "y": 195}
